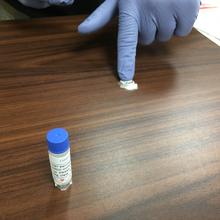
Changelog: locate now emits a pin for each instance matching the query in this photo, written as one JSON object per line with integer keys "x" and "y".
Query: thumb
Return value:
{"x": 127, "y": 45}
{"x": 99, "y": 18}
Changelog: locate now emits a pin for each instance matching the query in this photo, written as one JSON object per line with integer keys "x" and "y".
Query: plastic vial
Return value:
{"x": 59, "y": 157}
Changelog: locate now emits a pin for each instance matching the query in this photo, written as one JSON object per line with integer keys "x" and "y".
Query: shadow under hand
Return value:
{"x": 100, "y": 49}
{"x": 154, "y": 73}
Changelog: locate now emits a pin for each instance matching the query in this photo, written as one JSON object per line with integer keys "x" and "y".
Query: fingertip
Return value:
{"x": 148, "y": 35}
{"x": 82, "y": 29}
{"x": 86, "y": 27}
{"x": 182, "y": 33}
{"x": 99, "y": 18}
{"x": 146, "y": 42}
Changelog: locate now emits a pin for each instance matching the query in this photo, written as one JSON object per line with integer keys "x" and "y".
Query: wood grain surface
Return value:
{"x": 150, "y": 154}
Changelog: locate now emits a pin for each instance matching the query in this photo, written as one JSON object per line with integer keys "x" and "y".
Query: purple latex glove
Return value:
{"x": 146, "y": 20}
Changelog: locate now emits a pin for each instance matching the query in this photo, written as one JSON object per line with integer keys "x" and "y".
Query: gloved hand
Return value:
{"x": 39, "y": 4}
{"x": 146, "y": 20}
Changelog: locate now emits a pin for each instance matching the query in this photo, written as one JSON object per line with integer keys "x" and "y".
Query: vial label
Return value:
{"x": 61, "y": 169}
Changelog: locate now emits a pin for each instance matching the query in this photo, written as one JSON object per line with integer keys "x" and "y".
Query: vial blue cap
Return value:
{"x": 58, "y": 140}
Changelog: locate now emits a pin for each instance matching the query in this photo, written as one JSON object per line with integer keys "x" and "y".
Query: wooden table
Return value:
{"x": 149, "y": 154}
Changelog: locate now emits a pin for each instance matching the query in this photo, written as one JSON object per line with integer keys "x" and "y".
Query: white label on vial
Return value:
{"x": 61, "y": 169}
